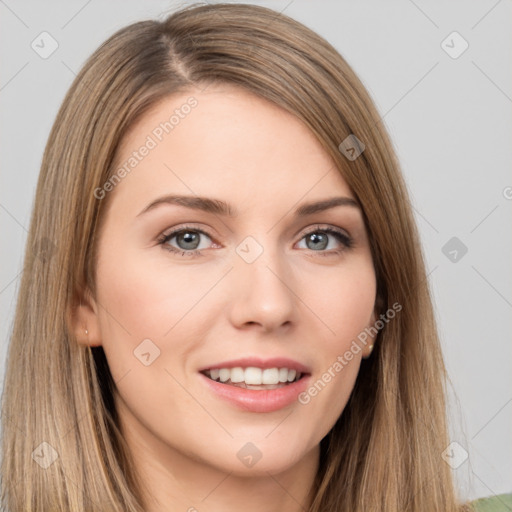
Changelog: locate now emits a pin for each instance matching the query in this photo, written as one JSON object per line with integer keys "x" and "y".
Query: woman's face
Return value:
{"x": 185, "y": 286}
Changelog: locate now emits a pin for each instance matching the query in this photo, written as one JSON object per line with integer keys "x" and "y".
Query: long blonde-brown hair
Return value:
{"x": 384, "y": 452}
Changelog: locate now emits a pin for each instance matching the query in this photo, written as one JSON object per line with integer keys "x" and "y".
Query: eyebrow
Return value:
{"x": 216, "y": 206}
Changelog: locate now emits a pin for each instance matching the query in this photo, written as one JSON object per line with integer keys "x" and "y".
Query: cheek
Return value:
{"x": 343, "y": 299}
{"x": 140, "y": 301}
{"x": 345, "y": 307}
{"x": 145, "y": 320}
{"x": 144, "y": 298}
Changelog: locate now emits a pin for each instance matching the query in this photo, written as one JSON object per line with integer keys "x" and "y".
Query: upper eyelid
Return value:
{"x": 175, "y": 231}
{"x": 319, "y": 227}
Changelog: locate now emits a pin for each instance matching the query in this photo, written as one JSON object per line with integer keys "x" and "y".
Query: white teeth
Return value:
{"x": 270, "y": 376}
{"x": 254, "y": 376}
{"x": 283, "y": 375}
{"x": 237, "y": 374}
{"x": 224, "y": 374}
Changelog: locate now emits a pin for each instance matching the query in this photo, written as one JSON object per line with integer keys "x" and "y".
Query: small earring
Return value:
{"x": 370, "y": 348}
{"x": 86, "y": 331}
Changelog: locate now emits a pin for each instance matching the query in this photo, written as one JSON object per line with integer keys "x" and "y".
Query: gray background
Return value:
{"x": 449, "y": 118}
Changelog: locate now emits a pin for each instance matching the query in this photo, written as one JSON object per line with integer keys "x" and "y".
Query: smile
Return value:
{"x": 252, "y": 377}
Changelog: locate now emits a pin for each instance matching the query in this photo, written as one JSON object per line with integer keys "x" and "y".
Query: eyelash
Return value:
{"x": 340, "y": 236}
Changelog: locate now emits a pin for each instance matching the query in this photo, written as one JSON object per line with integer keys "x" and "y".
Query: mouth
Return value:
{"x": 255, "y": 378}
{"x": 257, "y": 385}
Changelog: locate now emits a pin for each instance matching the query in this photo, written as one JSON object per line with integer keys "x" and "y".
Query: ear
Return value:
{"x": 84, "y": 320}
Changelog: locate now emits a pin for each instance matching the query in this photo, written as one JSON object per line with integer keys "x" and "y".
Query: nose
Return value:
{"x": 262, "y": 294}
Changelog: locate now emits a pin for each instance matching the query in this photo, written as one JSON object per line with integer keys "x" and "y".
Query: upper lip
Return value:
{"x": 274, "y": 362}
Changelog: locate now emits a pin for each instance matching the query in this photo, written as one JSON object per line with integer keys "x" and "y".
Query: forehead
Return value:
{"x": 228, "y": 143}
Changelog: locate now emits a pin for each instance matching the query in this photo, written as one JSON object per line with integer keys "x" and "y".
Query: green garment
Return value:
{"x": 499, "y": 503}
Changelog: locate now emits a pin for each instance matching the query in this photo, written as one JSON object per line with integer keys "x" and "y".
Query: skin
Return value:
{"x": 292, "y": 301}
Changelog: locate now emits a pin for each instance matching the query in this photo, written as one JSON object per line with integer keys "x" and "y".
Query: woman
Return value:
{"x": 224, "y": 301}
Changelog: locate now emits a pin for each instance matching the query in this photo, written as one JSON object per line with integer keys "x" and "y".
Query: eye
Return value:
{"x": 187, "y": 241}
{"x": 318, "y": 240}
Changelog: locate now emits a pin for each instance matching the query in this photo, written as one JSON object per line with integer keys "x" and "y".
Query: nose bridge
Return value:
{"x": 262, "y": 288}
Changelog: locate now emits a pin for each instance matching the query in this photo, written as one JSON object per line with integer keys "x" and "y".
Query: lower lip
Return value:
{"x": 264, "y": 400}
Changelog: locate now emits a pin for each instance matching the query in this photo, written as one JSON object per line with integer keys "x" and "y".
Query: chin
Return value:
{"x": 261, "y": 457}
